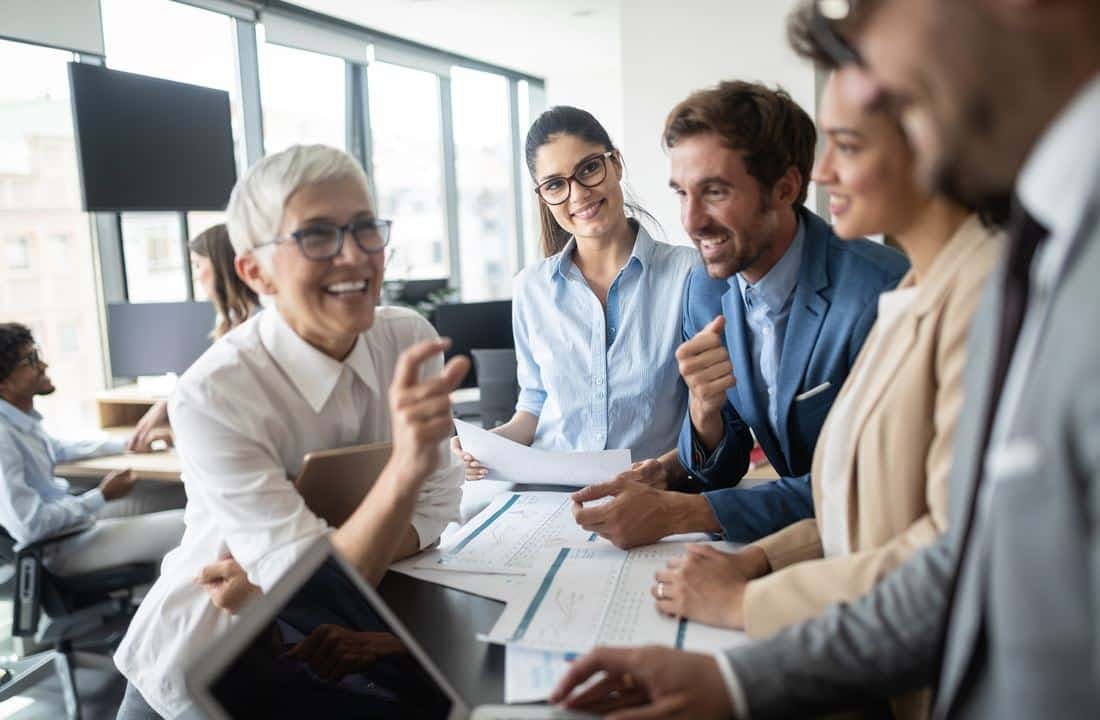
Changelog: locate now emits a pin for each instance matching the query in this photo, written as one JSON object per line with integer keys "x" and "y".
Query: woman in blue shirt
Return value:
{"x": 597, "y": 321}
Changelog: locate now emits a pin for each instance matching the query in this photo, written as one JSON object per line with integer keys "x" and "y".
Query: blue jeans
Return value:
{"x": 134, "y": 707}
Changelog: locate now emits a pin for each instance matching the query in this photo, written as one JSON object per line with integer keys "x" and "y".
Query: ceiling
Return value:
{"x": 538, "y": 37}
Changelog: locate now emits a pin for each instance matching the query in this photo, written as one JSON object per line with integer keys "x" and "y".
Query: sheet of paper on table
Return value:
{"x": 580, "y": 597}
{"x": 506, "y": 536}
{"x": 507, "y": 460}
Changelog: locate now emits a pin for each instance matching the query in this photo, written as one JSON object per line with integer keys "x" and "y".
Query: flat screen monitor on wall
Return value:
{"x": 157, "y": 338}
{"x": 149, "y": 144}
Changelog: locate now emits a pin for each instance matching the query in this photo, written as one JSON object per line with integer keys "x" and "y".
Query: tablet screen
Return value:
{"x": 326, "y": 654}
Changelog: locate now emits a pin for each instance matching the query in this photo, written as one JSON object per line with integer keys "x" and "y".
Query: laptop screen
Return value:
{"x": 328, "y": 653}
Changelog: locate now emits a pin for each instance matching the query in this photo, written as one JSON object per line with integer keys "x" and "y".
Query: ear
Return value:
{"x": 786, "y": 189}
{"x": 249, "y": 270}
{"x": 617, "y": 162}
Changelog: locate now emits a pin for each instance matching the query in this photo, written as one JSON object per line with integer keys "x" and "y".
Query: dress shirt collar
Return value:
{"x": 1054, "y": 183}
{"x": 642, "y": 252}
{"x": 774, "y": 288}
{"x": 18, "y": 418}
{"x": 313, "y": 373}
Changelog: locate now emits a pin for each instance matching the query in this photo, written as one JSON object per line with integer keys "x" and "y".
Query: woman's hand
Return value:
{"x": 421, "y": 409}
{"x": 708, "y": 585}
{"x": 474, "y": 469}
{"x": 152, "y": 426}
{"x": 227, "y": 585}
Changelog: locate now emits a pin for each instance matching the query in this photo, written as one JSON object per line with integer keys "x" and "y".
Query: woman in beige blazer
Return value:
{"x": 881, "y": 463}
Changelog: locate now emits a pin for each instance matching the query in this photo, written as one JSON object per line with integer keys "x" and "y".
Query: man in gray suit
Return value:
{"x": 1002, "y": 615}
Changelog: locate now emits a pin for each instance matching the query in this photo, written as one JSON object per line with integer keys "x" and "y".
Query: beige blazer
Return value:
{"x": 897, "y": 499}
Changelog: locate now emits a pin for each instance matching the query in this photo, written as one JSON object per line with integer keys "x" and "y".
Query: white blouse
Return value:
{"x": 244, "y": 416}
{"x": 840, "y": 441}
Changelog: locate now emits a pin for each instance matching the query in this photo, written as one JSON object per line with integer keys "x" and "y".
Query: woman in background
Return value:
{"x": 212, "y": 264}
{"x": 598, "y": 320}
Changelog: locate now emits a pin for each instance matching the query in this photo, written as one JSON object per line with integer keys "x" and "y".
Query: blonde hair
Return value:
{"x": 256, "y": 204}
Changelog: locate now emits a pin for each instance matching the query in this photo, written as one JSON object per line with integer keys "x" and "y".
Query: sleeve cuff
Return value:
{"x": 93, "y": 500}
{"x": 701, "y": 461}
{"x": 114, "y": 446}
{"x": 733, "y": 687}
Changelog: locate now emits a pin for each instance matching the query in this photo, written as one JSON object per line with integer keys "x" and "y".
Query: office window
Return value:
{"x": 483, "y": 167}
{"x": 304, "y": 97}
{"x": 40, "y": 203}
{"x": 407, "y": 152}
{"x": 152, "y": 251}
{"x": 529, "y": 108}
{"x": 18, "y": 252}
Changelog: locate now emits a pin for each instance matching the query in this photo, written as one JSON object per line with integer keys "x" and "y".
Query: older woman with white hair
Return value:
{"x": 323, "y": 367}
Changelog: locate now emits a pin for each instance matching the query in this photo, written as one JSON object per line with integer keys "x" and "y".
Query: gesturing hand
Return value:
{"x": 708, "y": 373}
{"x": 421, "y": 409}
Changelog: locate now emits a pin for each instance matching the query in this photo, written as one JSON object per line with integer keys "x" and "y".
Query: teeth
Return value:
{"x": 347, "y": 287}
{"x": 587, "y": 210}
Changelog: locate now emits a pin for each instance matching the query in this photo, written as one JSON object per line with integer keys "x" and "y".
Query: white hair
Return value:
{"x": 255, "y": 210}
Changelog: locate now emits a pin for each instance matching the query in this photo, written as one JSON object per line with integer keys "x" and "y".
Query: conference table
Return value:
{"x": 446, "y": 622}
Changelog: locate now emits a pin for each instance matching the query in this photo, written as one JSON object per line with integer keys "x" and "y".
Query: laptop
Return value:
{"x": 323, "y": 643}
{"x": 334, "y": 482}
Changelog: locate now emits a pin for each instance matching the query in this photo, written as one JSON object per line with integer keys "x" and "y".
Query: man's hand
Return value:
{"x": 708, "y": 585}
{"x": 333, "y": 651}
{"x": 706, "y": 368}
{"x": 637, "y": 514}
{"x": 648, "y": 682}
{"x": 117, "y": 484}
{"x": 421, "y": 409}
{"x": 647, "y": 472}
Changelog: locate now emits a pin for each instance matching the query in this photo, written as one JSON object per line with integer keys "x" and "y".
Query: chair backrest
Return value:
{"x": 496, "y": 380}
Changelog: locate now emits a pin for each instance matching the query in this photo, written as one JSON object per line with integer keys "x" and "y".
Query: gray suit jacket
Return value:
{"x": 1023, "y": 588}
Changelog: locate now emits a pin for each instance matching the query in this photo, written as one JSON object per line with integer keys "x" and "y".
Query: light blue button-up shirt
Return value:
{"x": 599, "y": 380}
{"x": 33, "y": 503}
{"x": 767, "y": 308}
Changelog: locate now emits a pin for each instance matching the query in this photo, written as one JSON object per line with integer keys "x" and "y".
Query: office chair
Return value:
{"x": 499, "y": 388}
{"x": 89, "y": 609}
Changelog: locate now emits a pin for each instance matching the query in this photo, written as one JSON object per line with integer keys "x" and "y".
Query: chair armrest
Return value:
{"x": 68, "y": 532}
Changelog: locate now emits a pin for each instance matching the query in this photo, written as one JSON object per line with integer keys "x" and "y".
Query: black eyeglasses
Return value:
{"x": 33, "y": 358}
{"x": 324, "y": 241}
{"x": 835, "y": 45}
{"x": 589, "y": 172}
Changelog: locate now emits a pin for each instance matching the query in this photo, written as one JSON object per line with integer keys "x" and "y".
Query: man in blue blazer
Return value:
{"x": 773, "y": 322}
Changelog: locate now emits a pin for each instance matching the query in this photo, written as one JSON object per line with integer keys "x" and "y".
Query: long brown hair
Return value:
{"x": 566, "y": 120}
{"x": 233, "y": 299}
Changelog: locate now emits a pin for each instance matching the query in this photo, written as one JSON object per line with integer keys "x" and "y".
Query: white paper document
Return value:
{"x": 588, "y": 596}
{"x": 530, "y": 675}
{"x": 506, "y": 536}
{"x": 510, "y": 461}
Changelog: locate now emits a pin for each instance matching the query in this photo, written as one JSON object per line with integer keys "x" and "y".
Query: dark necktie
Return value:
{"x": 1026, "y": 234}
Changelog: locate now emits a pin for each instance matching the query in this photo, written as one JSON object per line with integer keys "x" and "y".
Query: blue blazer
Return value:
{"x": 835, "y": 304}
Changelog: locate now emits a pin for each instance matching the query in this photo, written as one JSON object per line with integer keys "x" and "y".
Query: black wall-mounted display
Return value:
{"x": 149, "y": 144}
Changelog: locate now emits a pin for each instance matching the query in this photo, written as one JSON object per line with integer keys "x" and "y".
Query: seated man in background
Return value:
{"x": 35, "y": 505}
{"x": 773, "y": 320}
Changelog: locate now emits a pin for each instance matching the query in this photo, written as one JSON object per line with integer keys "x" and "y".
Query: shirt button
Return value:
{"x": 766, "y": 330}
{"x": 599, "y": 381}
{"x": 771, "y": 391}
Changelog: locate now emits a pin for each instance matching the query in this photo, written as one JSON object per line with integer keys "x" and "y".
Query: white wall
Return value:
{"x": 671, "y": 49}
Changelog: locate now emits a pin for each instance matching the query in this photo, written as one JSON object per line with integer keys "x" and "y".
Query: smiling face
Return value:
{"x": 866, "y": 165}
{"x": 327, "y": 302}
{"x": 589, "y": 211}
{"x": 731, "y": 219}
{"x": 28, "y": 378}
